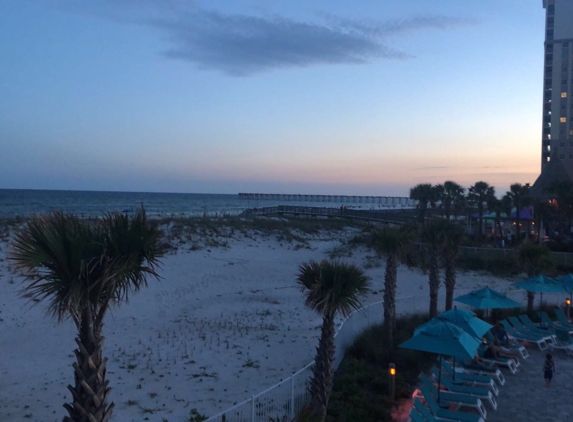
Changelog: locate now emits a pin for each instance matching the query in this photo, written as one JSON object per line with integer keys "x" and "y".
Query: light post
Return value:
{"x": 392, "y": 381}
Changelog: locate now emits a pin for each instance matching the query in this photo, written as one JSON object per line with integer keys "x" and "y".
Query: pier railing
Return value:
{"x": 395, "y": 216}
{"x": 384, "y": 201}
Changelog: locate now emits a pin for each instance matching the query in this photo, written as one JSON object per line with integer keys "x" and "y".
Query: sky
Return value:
{"x": 355, "y": 97}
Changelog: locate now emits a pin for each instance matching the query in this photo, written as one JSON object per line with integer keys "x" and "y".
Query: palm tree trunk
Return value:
{"x": 91, "y": 391}
{"x": 530, "y": 298}
{"x": 434, "y": 281}
{"x": 450, "y": 280}
{"x": 323, "y": 373}
{"x": 390, "y": 277}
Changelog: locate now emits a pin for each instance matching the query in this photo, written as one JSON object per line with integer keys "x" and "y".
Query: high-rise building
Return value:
{"x": 557, "y": 132}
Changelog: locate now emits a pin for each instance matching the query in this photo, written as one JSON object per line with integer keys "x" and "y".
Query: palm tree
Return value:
{"x": 478, "y": 194}
{"x": 394, "y": 244}
{"x": 451, "y": 196}
{"x": 534, "y": 259}
{"x": 426, "y": 195}
{"x": 331, "y": 287}
{"x": 519, "y": 195}
{"x": 432, "y": 235}
{"x": 452, "y": 238}
{"x": 82, "y": 267}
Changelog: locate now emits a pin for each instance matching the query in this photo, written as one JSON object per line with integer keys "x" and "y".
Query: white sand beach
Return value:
{"x": 223, "y": 324}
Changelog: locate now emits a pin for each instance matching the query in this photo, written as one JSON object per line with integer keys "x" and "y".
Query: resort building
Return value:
{"x": 557, "y": 132}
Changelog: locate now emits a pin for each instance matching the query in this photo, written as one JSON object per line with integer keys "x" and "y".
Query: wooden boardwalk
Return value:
{"x": 391, "y": 217}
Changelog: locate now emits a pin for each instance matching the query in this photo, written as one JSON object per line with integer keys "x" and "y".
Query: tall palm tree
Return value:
{"x": 519, "y": 195}
{"x": 80, "y": 268}
{"x": 426, "y": 195}
{"x": 534, "y": 259}
{"x": 451, "y": 238}
{"x": 394, "y": 244}
{"x": 331, "y": 287}
{"x": 478, "y": 194}
{"x": 432, "y": 235}
{"x": 451, "y": 195}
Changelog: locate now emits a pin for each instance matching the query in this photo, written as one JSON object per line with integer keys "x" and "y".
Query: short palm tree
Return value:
{"x": 331, "y": 287}
{"x": 479, "y": 194}
{"x": 394, "y": 244}
{"x": 519, "y": 195}
{"x": 426, "y": 195}
{"x": 82, "y": 267}
{"x": 452, "y": 196}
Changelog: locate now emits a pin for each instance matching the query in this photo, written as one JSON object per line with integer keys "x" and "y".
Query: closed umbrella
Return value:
{"x": 443, "y": 338}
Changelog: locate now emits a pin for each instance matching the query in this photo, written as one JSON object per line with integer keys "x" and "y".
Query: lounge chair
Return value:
{"x": 484, "y": 394}
{"x": 448, "y": 398}
{"x": 514, "y": 346}
{"x": 475, "y": 378}
{"x": 541, "y": 344}
{"x": 564, "y": 342}
{"x": 447, "y": 414}
{"x": 425, "y": 412}
{"x": 525, "y": 320}
{"x": 416, "y": 416}
{"x": 545, "y": 320}
{"x": 508, "y": 363}
{"x": 562, "y": 318}
{"x": 519, "y": 326}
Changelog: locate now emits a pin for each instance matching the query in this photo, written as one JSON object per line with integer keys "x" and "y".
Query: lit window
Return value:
{"x": 563, "y": 119}
{"x": 563, "y": 95}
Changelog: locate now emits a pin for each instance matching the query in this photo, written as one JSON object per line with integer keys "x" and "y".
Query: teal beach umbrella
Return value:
{"x": 466, "y": 320}
{"x": 540, "y": 284}
{"x": 487, "y": 298}
{"x": 443, "y": 338}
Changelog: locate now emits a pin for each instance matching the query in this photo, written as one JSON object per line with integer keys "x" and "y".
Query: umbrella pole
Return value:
{"x": 454, "y": 374}
{"x": 540, "y": 300}
{"x": 439, "y": 380}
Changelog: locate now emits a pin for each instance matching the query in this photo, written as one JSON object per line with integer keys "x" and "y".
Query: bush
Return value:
{"x": 361, "y": 384}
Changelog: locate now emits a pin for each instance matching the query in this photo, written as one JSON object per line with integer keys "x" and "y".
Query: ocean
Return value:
{"x": 22, "y": 203}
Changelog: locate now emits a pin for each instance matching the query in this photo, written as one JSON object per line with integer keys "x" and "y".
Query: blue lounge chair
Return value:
{"x": 476, "y": 378}
{"x": 564, "y": 342}
{"x": 508, "y": 363}
{"x": 452, "y": 415}
{"x": 425, "y": 412}
{"x": 545, "y": 320}
{"x": 519, "y": 326}
{"x": 562, "y": 318}
{"x": 484, "y": 394}
{"x": 416, "y": 416}
{"x": 448, "y": 398}
{"x": 514, "y": 346}
{"x": 541, "y": 344}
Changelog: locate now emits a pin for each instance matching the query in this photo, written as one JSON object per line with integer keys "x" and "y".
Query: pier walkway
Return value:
{"x": 384, "y": 201}
{"x": 383, "y": 216}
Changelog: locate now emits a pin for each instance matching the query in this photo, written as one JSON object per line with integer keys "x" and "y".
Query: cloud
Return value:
{"x": 243, "y": 45}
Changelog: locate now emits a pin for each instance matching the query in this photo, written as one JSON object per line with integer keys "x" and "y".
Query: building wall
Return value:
{"x": 557, "y": 136}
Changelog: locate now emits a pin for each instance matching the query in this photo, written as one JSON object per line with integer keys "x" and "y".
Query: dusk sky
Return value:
{"x": 365, "y": 97}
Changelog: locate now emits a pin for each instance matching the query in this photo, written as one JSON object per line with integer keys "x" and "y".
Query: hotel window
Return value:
{"x": 561, "y": 156}
{"x": 562, "y": 144}
{"x": 563, "y": 119}
{"x": 563, "y": 95}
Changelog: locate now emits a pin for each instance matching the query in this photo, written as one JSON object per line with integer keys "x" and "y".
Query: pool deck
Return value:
{"x": 525, "y": 398}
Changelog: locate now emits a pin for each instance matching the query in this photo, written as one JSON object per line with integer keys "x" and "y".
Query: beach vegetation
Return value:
{"x": 451, "y": 197}
{"x": 361, "y": 385}
{"x": 81, "y": 268}
{"x": 452, "y": 237}
{"x": 431, "y": 234}
{"x": 330, "y": 288}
